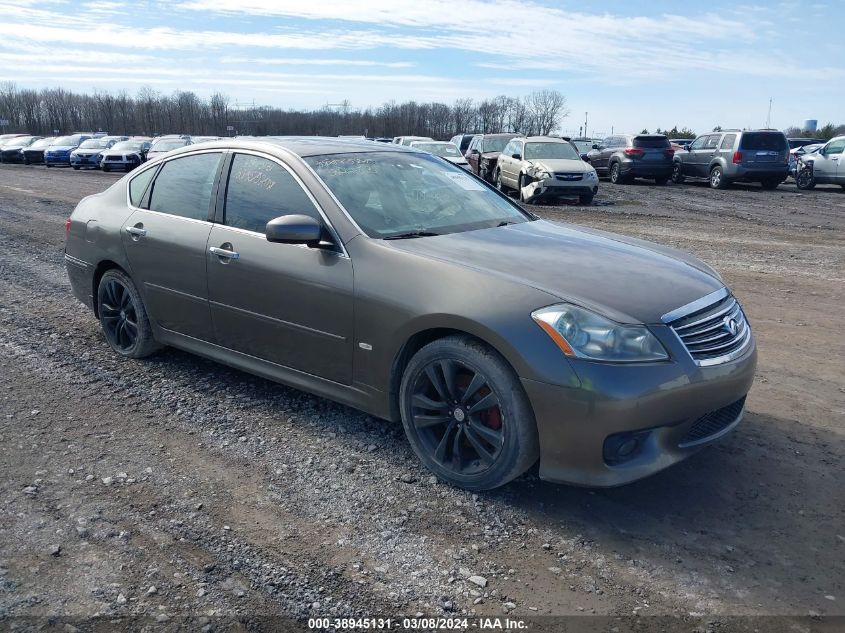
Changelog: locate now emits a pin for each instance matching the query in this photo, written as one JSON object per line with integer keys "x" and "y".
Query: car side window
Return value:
{"x": 183, "y": 186}
{"x": 509, "y": 149}
{"x": 138, "y": 186}
{"x": 698, "y": 143}
{"x": 728, "y": 141}
{"x": 259, "y": 190}
{"x": 835, "y": 147}
{"x": 712, "y": 142}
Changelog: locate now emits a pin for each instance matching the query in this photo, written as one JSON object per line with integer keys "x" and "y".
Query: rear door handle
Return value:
{"x": 136, "y": 231}
{"x": 222, "y": 252}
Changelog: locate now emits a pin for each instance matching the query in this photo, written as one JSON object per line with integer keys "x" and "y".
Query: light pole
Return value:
{"x": 585, "y": 124}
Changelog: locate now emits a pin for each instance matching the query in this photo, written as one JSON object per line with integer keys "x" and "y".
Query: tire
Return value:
{"x": 770, "y": 183}
{"x": 717, "y": 178}
{"x": 586, "y": 199}
{"x": 616, "y": 176}
{"x": 26, "y": 161}
{"x": 677, "y": 174}
{"x": 661, "y": 181}
{"x": 499, "y": 184}
{"x": 47, "y": 165}
{"x": 804, "y": 180}
{"x": 75, "y": 167}
{"x": 476, "y": 449}
{"x": 520, "y": 184}
{"x": 843, "y": 186}
{"x": 123, "y": 316}
{"x": 104, "y": 168}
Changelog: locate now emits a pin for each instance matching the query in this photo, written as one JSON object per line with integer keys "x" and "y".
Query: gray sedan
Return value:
{"x": 391, "y": 281}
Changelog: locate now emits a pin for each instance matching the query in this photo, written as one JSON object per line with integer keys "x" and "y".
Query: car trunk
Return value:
{"x": 650, "y": 150}
{"x": 762, "y": 148}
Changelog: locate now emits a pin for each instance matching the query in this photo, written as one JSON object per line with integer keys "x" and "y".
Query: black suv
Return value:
{"x": 735, "y": 155}
{"x": 627, "y": 156}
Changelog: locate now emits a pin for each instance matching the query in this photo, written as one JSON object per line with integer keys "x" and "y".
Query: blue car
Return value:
{"x": 59, "y": 151}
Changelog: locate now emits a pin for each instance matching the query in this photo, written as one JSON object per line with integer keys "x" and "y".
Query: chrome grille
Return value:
{"x": 714, "y": 332}
{"x": 568, "y": 175}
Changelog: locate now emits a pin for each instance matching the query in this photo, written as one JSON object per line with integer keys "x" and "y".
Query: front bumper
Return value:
{"x": 661, "y": 400}
{"x": 15, "y": 156}
{"x": 84, "y": 161}
{"x": 56, "y": 159}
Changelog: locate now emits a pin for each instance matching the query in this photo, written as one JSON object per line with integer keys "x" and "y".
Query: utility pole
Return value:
{"x": 585, "y": 123}
{"x": 769, "y": 117}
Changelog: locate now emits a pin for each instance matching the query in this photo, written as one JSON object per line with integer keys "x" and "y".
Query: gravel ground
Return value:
{"x": 175, "y": 487}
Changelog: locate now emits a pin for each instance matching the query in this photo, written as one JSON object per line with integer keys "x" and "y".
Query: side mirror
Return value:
{"x": 294, "y": 229}
{"x": 585, "y": 158}
{"x": 516, "y": 156}
{"x": 595, "y": 146}
{"x": 474, "y": 151}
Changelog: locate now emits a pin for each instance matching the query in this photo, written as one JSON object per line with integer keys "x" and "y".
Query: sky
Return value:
{"x": 629, "y": 65}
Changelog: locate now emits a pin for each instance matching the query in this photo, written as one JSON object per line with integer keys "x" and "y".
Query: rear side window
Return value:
{"x": 183, "y": 187}
{"x": 728, "y": 141}
{"x": 260, "y": 190}
{"x": 138, "y": 185}
{"x": 764, "y": 141}
{"x": 651, "y": 141}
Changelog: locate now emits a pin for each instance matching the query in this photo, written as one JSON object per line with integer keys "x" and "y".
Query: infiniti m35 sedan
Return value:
{"x": 389, "y": 280}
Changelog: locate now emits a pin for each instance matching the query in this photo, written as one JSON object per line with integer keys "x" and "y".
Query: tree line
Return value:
{"x": 150, "y": 113}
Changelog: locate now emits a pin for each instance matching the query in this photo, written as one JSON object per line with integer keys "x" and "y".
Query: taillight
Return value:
{"x": 737, "y": 159}
{"x": 633, "y": 151}
{"x": 669, "y": 152}
{"x": 67, "y": 227}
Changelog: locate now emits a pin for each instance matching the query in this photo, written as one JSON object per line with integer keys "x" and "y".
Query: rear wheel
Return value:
{"x": 466, "y": 415}
{"x": 717, "y": 178}
{"x": 123, "y": 316}
{"x": 499, "y": 184}
{"x": 75, "y": 167}
{"x": 677, "y": 174}
{"x": 770, "y": 183}
{"x": 616, "y": 176}
{"x": 106, "y": 168}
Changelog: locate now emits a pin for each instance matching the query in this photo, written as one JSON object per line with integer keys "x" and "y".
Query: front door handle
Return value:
{"x": 226, "y": 253}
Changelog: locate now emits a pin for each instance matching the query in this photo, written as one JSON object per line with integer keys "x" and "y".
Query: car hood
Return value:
{"x": 61, "y": 148}
{"x": 627, "y": 280}
{"x": 560, "y": 164}
{"x": 88, "y": 150}
{"x": 13, "y": 148}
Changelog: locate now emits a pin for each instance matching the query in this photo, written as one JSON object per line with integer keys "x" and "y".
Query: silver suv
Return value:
{"x": 735, "y": 156}
{"x": 829, "y": 162}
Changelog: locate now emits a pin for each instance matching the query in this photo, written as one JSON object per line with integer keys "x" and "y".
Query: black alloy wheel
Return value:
{"x": 123, "y": 316}
{"x": 466, "y": 415}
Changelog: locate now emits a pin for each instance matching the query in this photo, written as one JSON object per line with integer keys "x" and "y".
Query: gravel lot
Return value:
{"x": 177, "y": 487}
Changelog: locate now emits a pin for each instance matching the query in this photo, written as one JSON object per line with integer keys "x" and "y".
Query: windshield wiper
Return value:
{"x": 506, "y": 223}
{"x": 411, "y": 234}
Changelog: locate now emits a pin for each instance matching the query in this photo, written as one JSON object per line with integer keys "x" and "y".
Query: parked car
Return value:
{"x": 11, "y": 149}
{"x": 443, "y": 149}
{"x": 164, "y": 144}
{"x": 90, "y": 153}
{"x": 545, "y": 167}
{"x": 795, "y": 143}
{"x": 681, "y": 142}
{"x": 483, "y": 153}
{"x": 416, "y": 293}
{"x": 796, "y": 153}
{"x": 624, "y": 157}
{"x": 35, "y": 152}
{"x": 828, "y": 163}
{"x": 735, "y": 156}
{"x": 126, "y": 155}
{"x": 407, "y": 140}
{"x": 4, "y": 138}
{"x": 583, "y": 145}
{"x": 58, "y": 153}
{"x": 462, "y": 142}
{"x": 204, "y": 139}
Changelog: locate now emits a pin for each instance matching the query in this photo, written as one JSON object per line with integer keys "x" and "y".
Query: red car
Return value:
{"x": 483, "y": 153}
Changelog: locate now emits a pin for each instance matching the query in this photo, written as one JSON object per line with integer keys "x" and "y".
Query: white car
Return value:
{"x": 443, "y": 149}
{"x": 828, "y": 162}
{"x": 407, "y": 140}
{"x": 545, "y": 167}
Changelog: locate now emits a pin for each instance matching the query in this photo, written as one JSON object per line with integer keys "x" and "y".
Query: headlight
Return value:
{"x": 584, "y": 334}
{"x": 544, "y": 175}
{"x": 590, "y": 174}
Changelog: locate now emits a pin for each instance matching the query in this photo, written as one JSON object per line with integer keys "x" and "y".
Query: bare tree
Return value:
{"x": 547, "y": 109}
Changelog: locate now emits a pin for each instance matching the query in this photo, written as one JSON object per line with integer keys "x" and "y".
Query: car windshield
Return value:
{"x": 169, "y": 144}
{"x": 536, "y": 151}
{"x": 763, "y": 141}
{"x": 132, "y": 146}
{"x": 94, "y": 144}
{"x": 44, "y": 142}
{"x": 65, "y": 140}
{"x": 495, "y": 143}
{"x": 438, "y": 149}
{"x": 392, "y": 194}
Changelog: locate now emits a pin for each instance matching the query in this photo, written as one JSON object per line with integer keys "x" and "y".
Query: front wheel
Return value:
{"x": 104, "y": 168}
{"x": 804, "y": 179}
{"x": 586, "y": 199}
{"x": 717, "y": 179}
{"x": 677, "y": 174}
{"x": 123, "y": 316}
{"x": 75, "y": 167}
{"x": 466, "y": 415}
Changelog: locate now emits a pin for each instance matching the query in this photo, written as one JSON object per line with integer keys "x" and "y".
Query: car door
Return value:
{"x": 510, "y": 165}
{"x": 473, "y": 155}
{"x": 725, "y": 149}
{"x": 165, "y": 240}
{"x": 692, "y": 165}
{"x": 827, "y": 166}
{"x": 289, "y": 304}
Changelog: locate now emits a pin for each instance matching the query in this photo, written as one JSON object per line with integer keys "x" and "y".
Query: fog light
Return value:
{"x": 623, "y": 447}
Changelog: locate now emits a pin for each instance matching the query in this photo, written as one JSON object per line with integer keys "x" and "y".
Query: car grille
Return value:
{"x": 708, "y": 427}
{"x": 716, "y": 333}
{"x": 114, "y": 159}
{"x": 568, "y": 176}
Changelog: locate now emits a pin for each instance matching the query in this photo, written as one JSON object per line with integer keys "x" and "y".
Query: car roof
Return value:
{"x": 302, "y": 146}
{"x": 543, "y": 139}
